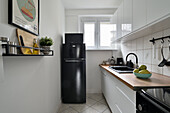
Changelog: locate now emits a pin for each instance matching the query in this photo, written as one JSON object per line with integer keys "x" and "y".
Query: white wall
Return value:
{"x": 32, "y": 84}
{"x": 144, "y": 50}
{"x": 94, "y": 58}
{"x": 72, "y": 16}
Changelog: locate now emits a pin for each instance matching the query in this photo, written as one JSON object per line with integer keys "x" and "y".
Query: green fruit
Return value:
{"x": 142, "y": 67}
{"x": 144, "y": 72}
{"x": 136, "y": 70}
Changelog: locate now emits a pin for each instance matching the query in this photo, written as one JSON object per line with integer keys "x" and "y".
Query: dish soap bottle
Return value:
{"x": 35, "y": 44}
{"x": 112, "y": 61}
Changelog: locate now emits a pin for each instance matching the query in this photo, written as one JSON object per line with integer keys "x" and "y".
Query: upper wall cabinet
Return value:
{"x": 114, "y": 21}
{"x": 127, "y": 17}
{"x": 119, "y": 21}
{"x": 157, "y": 9}
{"x": 139, "y": 14}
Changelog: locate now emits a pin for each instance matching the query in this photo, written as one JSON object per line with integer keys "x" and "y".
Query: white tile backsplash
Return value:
{"x": 133, "y": 45}
{"x": 166, "y": 70}
{"x": 140, "y": 55}
{"x": 147, "y": 43}
{"x": 158, "y": 57}
{"x": 139, "y": 43}
{"x": 144, "y": 50}
{"x": 147, "y": 56}
{"x": 157, "y": 69}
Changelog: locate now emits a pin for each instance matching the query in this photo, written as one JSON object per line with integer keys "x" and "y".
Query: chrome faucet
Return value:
{"x": 129, "y": 63}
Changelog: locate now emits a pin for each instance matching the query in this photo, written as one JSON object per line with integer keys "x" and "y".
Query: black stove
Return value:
{"x": 155, "y": 100}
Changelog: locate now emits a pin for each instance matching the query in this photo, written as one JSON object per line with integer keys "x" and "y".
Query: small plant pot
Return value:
{"x": 46, "y": 50}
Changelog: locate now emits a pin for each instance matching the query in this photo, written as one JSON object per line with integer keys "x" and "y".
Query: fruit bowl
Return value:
{"x": 143, "y": 76}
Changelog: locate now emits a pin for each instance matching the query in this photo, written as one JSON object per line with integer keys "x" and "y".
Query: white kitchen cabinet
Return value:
{"x": 127, "y": 17}
{"x": 119, "y": 20}
{"x": 120, "y": 98}
{"x": 114, "y": 21}
{"x": 139, "y": 14}
{"x": 156, "y": 9}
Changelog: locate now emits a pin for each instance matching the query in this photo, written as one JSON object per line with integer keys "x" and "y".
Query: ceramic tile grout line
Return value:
{"x": 1, "y": 64}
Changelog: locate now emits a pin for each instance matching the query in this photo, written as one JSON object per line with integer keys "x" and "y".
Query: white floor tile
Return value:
{"x": 69, "y": 110}
{"x": 103, "y": 101}
{"x": 90, "y": 110}
{"x": 90, "y": 102}
{"x": 107, "y": 111}
{"x": 63, "y": 107}
{"x": 99, "y": 107}
{"x": 95, "y": 103}
{"x": 96, "y": 96}
{"x": 80, "y": 108}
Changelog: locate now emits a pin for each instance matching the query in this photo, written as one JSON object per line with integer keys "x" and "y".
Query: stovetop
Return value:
{"x": 161, "y": 94}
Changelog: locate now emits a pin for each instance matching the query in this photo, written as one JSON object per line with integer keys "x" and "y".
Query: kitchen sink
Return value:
{"x": 122, "y": 69}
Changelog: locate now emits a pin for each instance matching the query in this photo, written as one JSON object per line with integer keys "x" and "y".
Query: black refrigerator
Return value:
{"x": 73, "y": 69}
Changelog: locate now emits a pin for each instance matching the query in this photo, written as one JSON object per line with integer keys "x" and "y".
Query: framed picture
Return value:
{"x": 24, "y": 14}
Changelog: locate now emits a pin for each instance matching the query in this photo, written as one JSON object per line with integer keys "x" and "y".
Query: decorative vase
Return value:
{"x": 46, "y": 50}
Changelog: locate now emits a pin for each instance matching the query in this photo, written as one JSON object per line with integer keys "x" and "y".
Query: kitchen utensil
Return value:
{"x": 11, "y": 49}
{"x": 164, "y": 61}
{"x": 25, "y": 39}
{"x": 168, "y": 62}
{"x": 112, "y": 61}
{"x": 4, "y": 40}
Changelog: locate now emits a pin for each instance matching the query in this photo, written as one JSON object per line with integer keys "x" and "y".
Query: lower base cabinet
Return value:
{"x": 120, "y": 98}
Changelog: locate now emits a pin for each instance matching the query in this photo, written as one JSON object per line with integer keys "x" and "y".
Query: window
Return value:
{"x": 98, "y": 32}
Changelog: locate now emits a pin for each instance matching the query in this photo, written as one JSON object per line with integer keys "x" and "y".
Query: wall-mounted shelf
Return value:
{"x": 7, "y": 46}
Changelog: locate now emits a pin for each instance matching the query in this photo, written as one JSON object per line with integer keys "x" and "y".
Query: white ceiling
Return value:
{"x": 91, "y": 4}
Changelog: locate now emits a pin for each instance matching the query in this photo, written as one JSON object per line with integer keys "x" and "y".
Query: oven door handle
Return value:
{"x": 164, "y": 108}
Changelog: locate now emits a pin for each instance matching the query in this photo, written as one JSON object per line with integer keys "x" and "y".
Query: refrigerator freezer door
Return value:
{"x": 73, "y": 81}
{"x": 74, "y": 50}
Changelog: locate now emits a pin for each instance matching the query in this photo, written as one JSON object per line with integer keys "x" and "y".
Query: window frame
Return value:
{"x": 97, "y": 20}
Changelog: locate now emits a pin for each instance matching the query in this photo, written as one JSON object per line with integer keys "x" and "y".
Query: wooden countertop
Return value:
{"x": 155, "y": 81}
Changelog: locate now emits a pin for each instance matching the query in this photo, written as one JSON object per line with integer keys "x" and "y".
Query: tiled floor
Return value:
{"x": 95, "y": 103}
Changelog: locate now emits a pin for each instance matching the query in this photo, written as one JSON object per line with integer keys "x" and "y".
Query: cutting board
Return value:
{"x": 25, "y": 39}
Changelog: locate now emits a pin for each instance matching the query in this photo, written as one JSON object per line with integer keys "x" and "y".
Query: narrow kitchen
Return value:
{"x": 84, "y": 56}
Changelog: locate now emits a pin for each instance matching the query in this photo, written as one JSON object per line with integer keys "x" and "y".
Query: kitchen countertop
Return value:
{"x": 129, "y": 79}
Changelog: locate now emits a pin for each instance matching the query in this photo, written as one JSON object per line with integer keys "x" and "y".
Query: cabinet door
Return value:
{"x": 119, "y": 20}
{"x": 127, "y": 17}
{"x": 104, "y": 84}
{"x": 157, "y": 9}
{"x": 139, "y": 14}
{"x": 114, "y": 21}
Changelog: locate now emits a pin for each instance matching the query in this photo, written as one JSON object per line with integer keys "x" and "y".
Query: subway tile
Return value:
{"x": 140, "y": 55}
{"x": 157, "y": 69}
{"x": 166, "y": 70}
{"x": 148, "y": 56}
{"x": 158, "y": 57}
{"x": 140, "y": 43}
{"x": 133, "y": 45}
{"x": 147, "y": 43}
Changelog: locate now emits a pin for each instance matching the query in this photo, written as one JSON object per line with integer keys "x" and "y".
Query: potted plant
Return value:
{"x": 45, "y": 43}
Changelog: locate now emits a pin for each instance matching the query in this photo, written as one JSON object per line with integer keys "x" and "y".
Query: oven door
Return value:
{"x": 145, "y": 103}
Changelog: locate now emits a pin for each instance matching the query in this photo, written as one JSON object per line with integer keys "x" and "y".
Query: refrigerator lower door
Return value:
{"x": 73, "y": 81}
